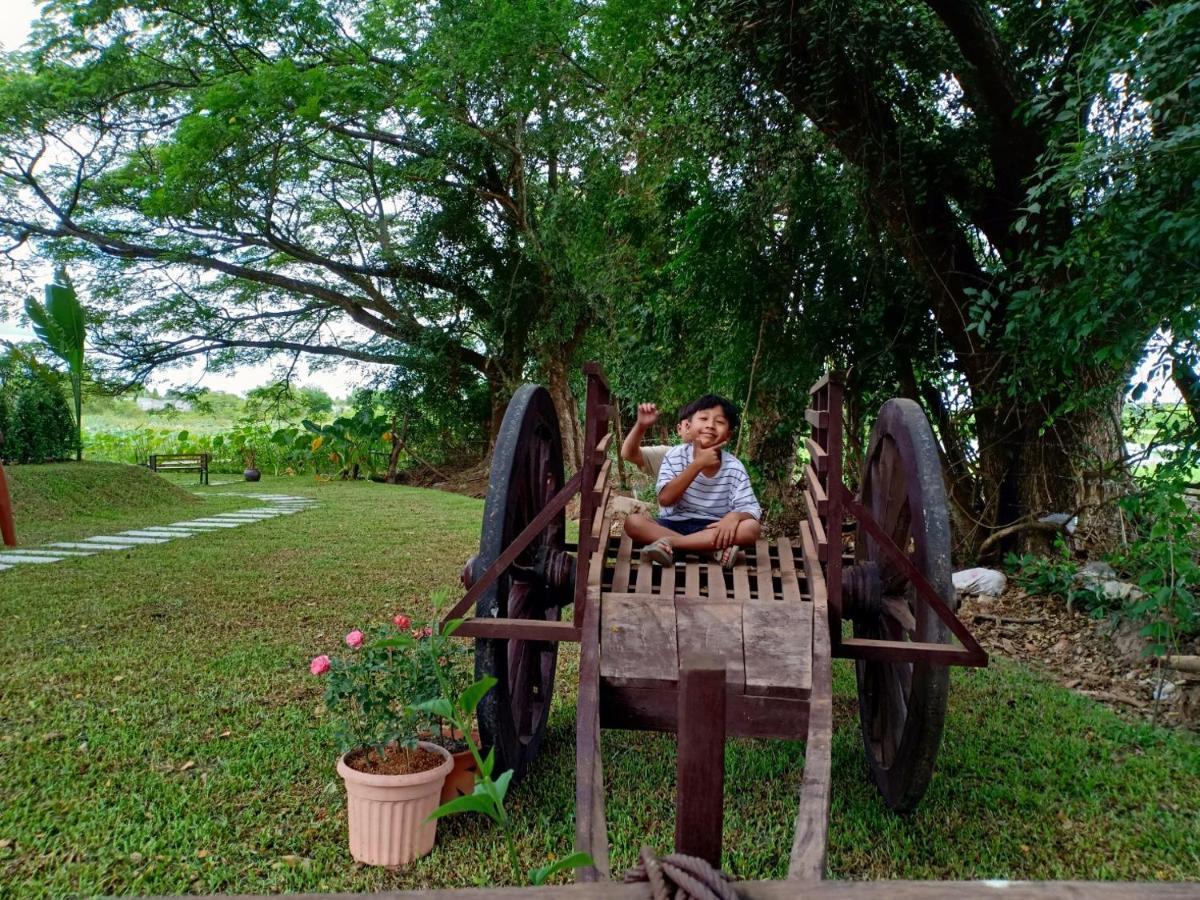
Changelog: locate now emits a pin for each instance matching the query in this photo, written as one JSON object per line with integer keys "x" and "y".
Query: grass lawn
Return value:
{"x": 159, "y": 734}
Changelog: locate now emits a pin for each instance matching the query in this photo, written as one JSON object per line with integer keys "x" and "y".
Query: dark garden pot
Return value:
{"x": 252, "y": 474}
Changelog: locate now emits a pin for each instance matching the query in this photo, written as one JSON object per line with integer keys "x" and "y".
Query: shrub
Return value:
{"x": 41, "y": 427}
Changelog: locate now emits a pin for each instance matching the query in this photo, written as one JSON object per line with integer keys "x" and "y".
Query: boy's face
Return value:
{"x": 708, "y": 427}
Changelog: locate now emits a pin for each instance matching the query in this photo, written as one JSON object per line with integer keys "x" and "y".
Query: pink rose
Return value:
{"x": 354, "y": 639}
{"x": 319, "y": 665}
{"x": 427, "y": 631}
{"x": 402, "y": 621}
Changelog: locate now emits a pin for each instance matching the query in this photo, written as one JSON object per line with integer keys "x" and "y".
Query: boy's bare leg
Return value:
{"x": 645, "y": 530}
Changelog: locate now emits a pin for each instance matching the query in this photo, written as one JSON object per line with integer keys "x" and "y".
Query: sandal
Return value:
{"x": 729, "y": 557}
{"x": 659, "y": 552}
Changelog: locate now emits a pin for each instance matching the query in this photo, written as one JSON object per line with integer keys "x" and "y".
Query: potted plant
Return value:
{"x": 393, "y": 778}
{"x": 251, "y": 473}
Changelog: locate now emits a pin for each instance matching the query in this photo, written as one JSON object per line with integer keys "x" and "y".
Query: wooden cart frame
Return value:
{"x": 706, "y": 652}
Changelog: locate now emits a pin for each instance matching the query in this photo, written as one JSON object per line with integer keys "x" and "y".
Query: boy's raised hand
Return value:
{"x": 647, "y": 414}
{"x": 708, "y": 457}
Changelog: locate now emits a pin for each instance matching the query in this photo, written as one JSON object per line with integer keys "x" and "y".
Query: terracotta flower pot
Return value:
{"x": 387, "y": 813}
{"x": 461, "y": 780}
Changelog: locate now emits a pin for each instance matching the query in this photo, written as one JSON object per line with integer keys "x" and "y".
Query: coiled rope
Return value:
{"x": 679, "y": 877}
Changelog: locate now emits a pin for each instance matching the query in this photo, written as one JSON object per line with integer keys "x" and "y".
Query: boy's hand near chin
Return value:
{"x": 707, "y": 457}
{"x": 647, "y": 415}
{"x": 726, "y": 528}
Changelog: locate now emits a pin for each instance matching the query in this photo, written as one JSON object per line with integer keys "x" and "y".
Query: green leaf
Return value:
{"x": 439, "y": 706}
{"x": 489, "y": 763}
{"x": 501, "y": 785}
{"x": 477, "y": 803}
{"x": 575, "y": 861}
{"x": 469, "y": 699}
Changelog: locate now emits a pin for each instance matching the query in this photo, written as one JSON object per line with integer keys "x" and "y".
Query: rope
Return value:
{"x": 679, "y": 877}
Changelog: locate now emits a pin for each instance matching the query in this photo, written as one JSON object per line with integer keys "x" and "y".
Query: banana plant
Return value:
{"x": 59, "y": 323}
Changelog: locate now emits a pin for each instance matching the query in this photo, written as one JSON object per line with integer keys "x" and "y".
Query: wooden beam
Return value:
{"x": 909, "y": 651}
{"x": 918, "y": 580}
{"x": 700, "y": 759}
{"x": 817, "y": 528}
{"x": 8, "y": 531}
{"x": 817, "y": 491}
{"x": 817, "y": 418}
{"x": 811, "y": 840}
{"x": 591, "y": 829}
{"x": 505, "y": 559}
{"x": 832, "y": 890}
{"x": 820, "y": 459}
{"x": 602, "y": 446}
{"x": 519, "y": 630}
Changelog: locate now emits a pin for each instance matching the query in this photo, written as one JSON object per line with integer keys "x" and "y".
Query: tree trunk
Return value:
{"x": 770, "y": 446}
{"x": 1076, "y": 465}
{"x": 565, "y": 405}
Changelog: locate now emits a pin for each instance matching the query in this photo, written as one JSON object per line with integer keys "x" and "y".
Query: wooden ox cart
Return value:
{"x": 706, "y": 652}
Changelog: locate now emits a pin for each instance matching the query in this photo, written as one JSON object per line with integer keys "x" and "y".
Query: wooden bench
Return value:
{"x": 181, "y": 462}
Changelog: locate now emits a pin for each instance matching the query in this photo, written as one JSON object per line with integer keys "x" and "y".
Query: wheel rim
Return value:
{"x": 902, "y": 705}
{"x": 526, "y": 473}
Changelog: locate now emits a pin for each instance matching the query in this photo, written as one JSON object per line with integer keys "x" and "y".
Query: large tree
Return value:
{"x": 961, "y": 118}
{"x": 368, "y": 180}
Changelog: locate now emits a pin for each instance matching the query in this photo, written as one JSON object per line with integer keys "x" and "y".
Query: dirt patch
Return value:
{"x": 1093, "y": 657}
{"x": 467, "y": 478}
{"x": 394, "y": 762}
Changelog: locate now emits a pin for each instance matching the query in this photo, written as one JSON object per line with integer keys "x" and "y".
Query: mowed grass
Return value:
{"x": 68, "y": 501}
{"x": 160, "y": 734}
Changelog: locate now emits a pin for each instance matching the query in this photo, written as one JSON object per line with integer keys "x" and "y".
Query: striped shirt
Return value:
{"x": 707, "y": 498}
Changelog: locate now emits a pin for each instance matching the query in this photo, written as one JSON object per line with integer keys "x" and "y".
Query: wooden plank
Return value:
{"x": 602, "y": 477}
{"x": 518, "y": 629}
{"x": 504, "y": 560}
{"x": 595, "y": 370}
{"x": 700, "y": 760}
{"x": 777, "y": 647}
{"x": 691, "y": 579}
{"x": 819, "y": 383}
{"x": 645, "y": 578}
{"x": 716, "y": 582}
{"x": 816, "y": 527}
{"x": 830, "y": 890}
{"x": 923, "y": 588}
{"x": 811, "y": 840}
{"x": 909, "y": 651}
{"x": 762, "y": 570}
{"x": 706, "y": 628}
{"x": 666, "y": 587}
{"x": 602, "y": 446}
{"x": 817, "y": 491}
{"x": 820, "y": 459}
{"x": 601, "y": 514}
{"x": 746, "y": 715}
{"x": 621, "y": 572}
{"x": 790, "y": 583}
{"x": 817, "y": 418}
{"x": 638, "y": 640}
{"x": 591, "y": 830}
{"x": 741, "y": 582}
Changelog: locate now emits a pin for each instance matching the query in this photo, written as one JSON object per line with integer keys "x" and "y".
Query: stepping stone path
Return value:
{"x": 279, "y": 505}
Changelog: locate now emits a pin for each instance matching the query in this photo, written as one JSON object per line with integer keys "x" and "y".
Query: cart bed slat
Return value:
{"x": 762, "y": 553}
{"x": 621, "y": 573}
{"x": 776, "y": 638}
{"x": 691, "y": 582}
{"x": 716, "y": 582}
{"x": 637, "y": 640}
{"x": 741, "y": 582}
{"x": 712, "y": 629}
{"x": 645, "y": 578}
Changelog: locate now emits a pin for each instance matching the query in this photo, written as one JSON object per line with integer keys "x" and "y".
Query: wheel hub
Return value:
{"x": 862, "y": 592}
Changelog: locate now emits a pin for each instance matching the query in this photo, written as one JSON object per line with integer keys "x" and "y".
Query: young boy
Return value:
{"x": 649, "y": 458}
{"x": 706, "y": 503}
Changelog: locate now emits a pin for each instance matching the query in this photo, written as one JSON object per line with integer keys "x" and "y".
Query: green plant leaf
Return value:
{"x": 574, "y": 861}
{"x": 477, "y": 803}
{"x": 438, "y": 706}
{"x": 469, "y": 699}
{"x": 501, "y": 785}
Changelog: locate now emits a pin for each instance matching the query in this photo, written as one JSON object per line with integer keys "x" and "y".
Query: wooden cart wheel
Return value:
{"x": 527, "y": 471}
{"x": 902, "y": 706}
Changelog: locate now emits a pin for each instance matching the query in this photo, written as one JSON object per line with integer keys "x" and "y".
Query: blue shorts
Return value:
{"x": 685, "y": 526}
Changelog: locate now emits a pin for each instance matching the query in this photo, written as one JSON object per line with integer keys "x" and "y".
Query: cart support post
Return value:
{"x": 7, "y": 531}
{"x": 700, "y": 783}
